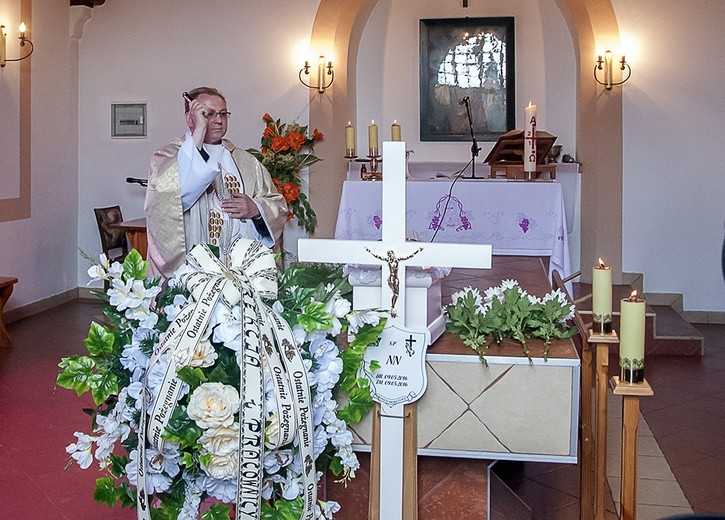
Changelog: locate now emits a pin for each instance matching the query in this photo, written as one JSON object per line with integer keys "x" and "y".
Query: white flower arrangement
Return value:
{"x": 199, "y": 462}
{"x": 508, "y": 311}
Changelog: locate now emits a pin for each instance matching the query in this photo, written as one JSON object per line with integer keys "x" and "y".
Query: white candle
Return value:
{"x": 602, "y": 298}
{"x": 395, "y": 131}
{"x": 350, "y": 139}
{"x": 631, "y": 341}
{"x": 530, "y": 138}
{"x": 373, "y": 135}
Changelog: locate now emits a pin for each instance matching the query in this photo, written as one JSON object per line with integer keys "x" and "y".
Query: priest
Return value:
{"x": 203, "y": 189}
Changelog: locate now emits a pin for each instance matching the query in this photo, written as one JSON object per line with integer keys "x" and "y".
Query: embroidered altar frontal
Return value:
{"x": 510, "y": 410}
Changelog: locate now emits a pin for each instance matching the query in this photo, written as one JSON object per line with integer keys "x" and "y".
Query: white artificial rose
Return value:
{"x": 221, "y": 441}
{"x": 222, "y": 466}
{"x": 213, "y": 404}
{"x": 204, "y": 355}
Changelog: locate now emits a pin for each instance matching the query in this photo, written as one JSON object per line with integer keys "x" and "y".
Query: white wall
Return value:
{"x": 141, "y": 51}
{"x": 388, "y": 71}
{"x": 674, "y": 137}
{"x": 41, "y": 250}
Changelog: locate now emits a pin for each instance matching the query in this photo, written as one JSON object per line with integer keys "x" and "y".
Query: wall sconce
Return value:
{"x": 606, "y": 64}
{"x": 322, "y": 64}
{"x": 23, "y": 41}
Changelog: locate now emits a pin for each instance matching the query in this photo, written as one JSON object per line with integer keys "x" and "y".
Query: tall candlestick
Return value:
{"x": 350, "y": 140}
{"x": 631, "y": 339}
{"x": 373, "y": 138}
{"x": 395, "y": 131}
{"x": 602, "y": 298}
{"x": 530, "y": 138}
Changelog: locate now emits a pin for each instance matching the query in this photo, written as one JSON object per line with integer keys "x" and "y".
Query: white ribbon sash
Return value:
{"x": 251, "y": 277}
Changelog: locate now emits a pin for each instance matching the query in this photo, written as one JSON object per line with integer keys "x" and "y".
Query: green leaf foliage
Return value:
{"x": 103, "y": 385}
{"x": 192, "y": 376}
{"x": 99, "y": 341}
{"x": 217, "y": 512}
{"x": 106, "y": 491}
{"x": 76, "y": 373}
{"x": 134, "y": 266}
{"x": 282, "y": 509}
{"x": 359, "y": 403}
{"x": 315, "y": 317}
{"x": 181, "y": 429}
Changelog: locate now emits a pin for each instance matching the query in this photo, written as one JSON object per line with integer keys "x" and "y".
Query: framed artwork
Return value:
{"x": 467, "y": 57}
{"x": 128, "y": 120}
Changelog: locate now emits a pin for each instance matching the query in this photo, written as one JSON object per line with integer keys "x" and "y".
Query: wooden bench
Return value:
{"x": 6, "y": 289}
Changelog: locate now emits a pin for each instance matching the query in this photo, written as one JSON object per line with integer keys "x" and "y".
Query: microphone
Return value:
{"x": 133, "y": 180}
{"x": 464, "y": 100}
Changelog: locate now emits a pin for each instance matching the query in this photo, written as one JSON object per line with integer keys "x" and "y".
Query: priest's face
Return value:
{"x": 216, "y": 118}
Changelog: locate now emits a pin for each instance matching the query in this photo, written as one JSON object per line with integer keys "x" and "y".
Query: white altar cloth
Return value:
{"x": 515, "y": 217}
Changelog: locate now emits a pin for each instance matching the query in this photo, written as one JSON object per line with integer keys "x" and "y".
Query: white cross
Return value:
{"x": 393, "y": 251}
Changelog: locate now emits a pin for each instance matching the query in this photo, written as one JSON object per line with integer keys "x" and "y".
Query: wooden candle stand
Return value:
{"x": 630, "y": 392}
{"x": 601, "y": 342}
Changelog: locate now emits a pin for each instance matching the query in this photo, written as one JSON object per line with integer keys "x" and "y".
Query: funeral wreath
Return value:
{"x": 507, "y": 311}
{"x": 219, "y": 392}
{"x": 286, "y": 148}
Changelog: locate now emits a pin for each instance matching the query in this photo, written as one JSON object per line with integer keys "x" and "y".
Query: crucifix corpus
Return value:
{"x": 401, "y": 378}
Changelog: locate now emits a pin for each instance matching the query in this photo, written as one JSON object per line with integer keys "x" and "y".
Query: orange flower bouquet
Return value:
{"x": 286, "y": 149}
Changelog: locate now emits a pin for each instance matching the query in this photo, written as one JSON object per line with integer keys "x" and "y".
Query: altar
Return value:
{"x": 516, "y": 218}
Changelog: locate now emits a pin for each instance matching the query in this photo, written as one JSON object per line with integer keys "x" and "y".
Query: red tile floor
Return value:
{"x": 37, "y": 421}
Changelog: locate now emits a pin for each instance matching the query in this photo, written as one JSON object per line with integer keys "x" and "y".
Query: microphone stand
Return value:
{"x": 474, "y": 144}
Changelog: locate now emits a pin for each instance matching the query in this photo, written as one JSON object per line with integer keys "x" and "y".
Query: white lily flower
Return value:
{"x": 80, "y": 451}
{"x": 356, "y": 319}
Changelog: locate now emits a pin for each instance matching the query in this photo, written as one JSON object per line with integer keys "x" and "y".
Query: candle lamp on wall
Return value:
{"x": 602, "y": 298}
{"x": 322, "y": 65}
{"x": 605, "y": 64}
{"x": 631, "y": 342}
{"x": 3, "y": 44}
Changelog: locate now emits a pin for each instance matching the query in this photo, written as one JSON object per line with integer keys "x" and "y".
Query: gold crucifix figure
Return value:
{"x": 393, "y": 280}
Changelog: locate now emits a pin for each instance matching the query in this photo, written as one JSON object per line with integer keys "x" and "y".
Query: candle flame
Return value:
{"x": 601, "y": 262}
{"x": 633, "y": 296}
{"x": 349, "y": 123}
{"x": 395, "y": 121}
{"x": 22, "y": 27}
{"x": 372, "y": 121}
{"x": 529, "y": 104}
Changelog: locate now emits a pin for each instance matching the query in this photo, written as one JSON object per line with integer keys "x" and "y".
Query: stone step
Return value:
{"x": 667, "y": 333}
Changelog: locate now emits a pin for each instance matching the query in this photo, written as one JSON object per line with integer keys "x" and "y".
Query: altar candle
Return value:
{"x": 395, "y": 131}
{"x": 350, "y": 139}
{"x": 631, "y": 340}
{"x": 602, "y": 298}
{"x": 373, "y": 135}
{"x": 530, "y": 138}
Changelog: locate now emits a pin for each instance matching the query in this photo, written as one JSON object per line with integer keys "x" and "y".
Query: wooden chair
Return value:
{"x": 113, "y": 240}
